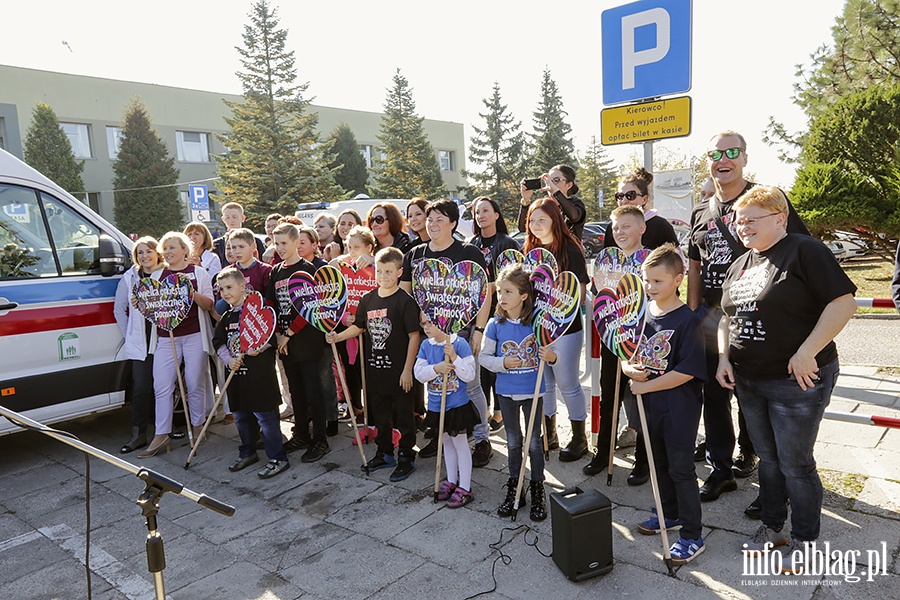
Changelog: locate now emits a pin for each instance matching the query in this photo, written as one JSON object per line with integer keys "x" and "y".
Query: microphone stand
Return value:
{"x": 156, "y": 485}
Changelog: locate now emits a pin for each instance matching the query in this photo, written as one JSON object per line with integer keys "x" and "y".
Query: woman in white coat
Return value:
{"x": 136, "y": 331}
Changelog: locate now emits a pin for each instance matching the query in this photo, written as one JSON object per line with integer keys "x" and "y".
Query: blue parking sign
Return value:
{"x": 646, "y": 50}
{"x": 199, "y": 197}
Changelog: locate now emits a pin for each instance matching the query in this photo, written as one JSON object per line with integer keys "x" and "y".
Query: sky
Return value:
{"x": 743, "y": 63}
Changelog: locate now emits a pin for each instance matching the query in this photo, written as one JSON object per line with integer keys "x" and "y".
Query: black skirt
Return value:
{"x": 456, "y": 420}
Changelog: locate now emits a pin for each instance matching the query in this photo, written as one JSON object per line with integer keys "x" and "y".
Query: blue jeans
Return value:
{"x": 783, "y": 422}
{"x": 510, "y": 408}
{"x": 249, "y": 425}
{"x": 565, "y": 375}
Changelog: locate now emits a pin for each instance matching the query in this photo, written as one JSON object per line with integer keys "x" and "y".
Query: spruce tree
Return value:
{"x": 146, "y": 197}
{"x": 48, "y": 150}
{"x": 409, "y": 166}
{"x": 497, "y": 148}
{"x": 596, "y": 174}
{"x": 350, "y": 171}
{"x": 551, "y": 142}
{"x": 273, "y": 159}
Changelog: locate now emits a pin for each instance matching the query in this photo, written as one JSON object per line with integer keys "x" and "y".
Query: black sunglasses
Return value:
{"x": 731, "y": 153}
{"x": 627, "y": 195}
{"x": 377, "y": 219}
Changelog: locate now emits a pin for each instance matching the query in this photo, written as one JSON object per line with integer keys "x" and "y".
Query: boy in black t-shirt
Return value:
{"x": 390, "y": 316}
{"x": 253, "y": 392}
{"x": 668, "y": 371}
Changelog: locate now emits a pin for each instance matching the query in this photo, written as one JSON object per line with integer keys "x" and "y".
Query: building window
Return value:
{"x": 445, "y": 158}
{"x": 80, "y": 137}
{"x": 366, "y": 151}
{"x": 2, "y": 133}
{"x": 93, "y": 201}
{"x": 193, "y": 146}
{"x": 113, "y": 139}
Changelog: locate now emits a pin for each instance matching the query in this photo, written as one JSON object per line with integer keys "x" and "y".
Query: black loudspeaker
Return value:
{"x": 582, "y": 533}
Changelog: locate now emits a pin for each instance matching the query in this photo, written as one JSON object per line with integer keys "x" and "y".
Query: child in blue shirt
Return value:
{"x": 510, "y": 350}
{"x": 449, "y": 356}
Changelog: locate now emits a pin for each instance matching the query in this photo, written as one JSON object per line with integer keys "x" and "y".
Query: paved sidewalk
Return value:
{"x": 326, "y": 530}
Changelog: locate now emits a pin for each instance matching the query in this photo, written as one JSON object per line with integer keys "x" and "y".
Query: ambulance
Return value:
{"x": 60, "y": 263}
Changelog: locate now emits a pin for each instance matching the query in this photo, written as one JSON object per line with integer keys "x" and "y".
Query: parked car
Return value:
{"x": 592, "y": 237}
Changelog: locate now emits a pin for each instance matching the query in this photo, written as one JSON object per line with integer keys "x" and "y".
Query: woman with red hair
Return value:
{"x": 546, "y": 228}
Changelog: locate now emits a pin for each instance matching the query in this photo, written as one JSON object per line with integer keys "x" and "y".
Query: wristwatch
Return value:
{"x": 478, "y": 329}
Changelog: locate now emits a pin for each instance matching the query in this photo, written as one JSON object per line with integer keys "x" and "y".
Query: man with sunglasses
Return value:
{"x": 713, "y": 246}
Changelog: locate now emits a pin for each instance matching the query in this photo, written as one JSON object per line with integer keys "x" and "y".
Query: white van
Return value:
{"x": 60, "y": 264}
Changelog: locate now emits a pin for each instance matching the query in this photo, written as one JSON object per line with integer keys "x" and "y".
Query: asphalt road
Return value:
{"x": 870, "y": 341}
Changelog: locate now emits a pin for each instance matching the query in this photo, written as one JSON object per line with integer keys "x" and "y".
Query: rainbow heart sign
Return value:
{"x": 556, "y": 303}
{"x": 257, "y": 323}
{"x": 320, "y": 299}
{"x": 534, "y": 258}
{"x": 165, "y": 303}
{"x": 619, "y": 315}
{"x": 450, "y": 295}
{"x": 359, "y": 283}
{"x": 611, "y": 263}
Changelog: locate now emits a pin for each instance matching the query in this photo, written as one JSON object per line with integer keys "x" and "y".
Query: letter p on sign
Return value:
{"x": 646, "y": 50}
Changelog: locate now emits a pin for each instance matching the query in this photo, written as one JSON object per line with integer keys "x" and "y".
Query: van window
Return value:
{"x": 25, "y": 249}
{"x": 28, "y": 250}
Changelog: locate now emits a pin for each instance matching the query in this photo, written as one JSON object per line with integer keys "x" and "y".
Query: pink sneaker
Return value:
{"x": 395, "y": 438}
{"x": 460, "y": 498}
{"x": 446, "y": 490}
{"x": 371, "y": 432}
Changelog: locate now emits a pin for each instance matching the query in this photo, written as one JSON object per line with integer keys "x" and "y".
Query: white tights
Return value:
{"x": 458, "y": 460}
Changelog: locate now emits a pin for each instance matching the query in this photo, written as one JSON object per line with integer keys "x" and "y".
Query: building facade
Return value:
{"x": 91, "y": 110}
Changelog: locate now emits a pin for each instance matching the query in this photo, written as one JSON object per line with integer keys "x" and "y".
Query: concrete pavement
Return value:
{"x": 326, "y": 530}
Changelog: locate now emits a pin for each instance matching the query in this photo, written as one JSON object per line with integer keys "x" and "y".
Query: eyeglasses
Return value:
{"x": 631, "y": 195}
{"x": 752, "y": 222}
{"x": 379, "y": 219}
{"x": 731, "y": 153}
{"x": 558, "y": 180}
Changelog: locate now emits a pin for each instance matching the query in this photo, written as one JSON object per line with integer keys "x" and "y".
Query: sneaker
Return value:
{"x": 460, "y": 498}
{"x": 317, "y": 450}
{"x": 651, "y": 525}
{"x": 395, "y": 437}
{"x": 243, "y": 463}
{"x": 627, "y": 439}
{"x": 744, "y": 465}
{"x": 430, "y": 449}
{"x": 684, "y": 551}
{"x": 343, "y": 413}
{"x": 296, "y": 443}
{"x": 286, "y": 414}
{"x": 481, "y": 455}
{"x": 496, "y": 426}
{"x": 757, "y": 542}
{"x": 446, "y": 490}
{"x": 380, "y": 461}
{"x": 403, "y": 470}
{"x": 794, "y": 556}
{"x": 371, "y": 431}
{"x": 273, "y": 468}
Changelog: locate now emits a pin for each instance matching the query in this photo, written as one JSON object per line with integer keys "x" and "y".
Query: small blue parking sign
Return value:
{"x": 646, "y": 50}
{"x": 199, "y": 197}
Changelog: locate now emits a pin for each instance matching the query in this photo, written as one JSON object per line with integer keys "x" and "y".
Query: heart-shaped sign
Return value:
{"x": 535, "y": 257}
{"x": 619, "y": 315}
{"x": 164, "y": 303}
{"x": 450, "y": 296}
{"x": 359, "y": 283}
{"x": 257, "y": 322}
{"x": 320, "y": 299}
{"x": 611, "y": 263}
{"x": 556, "y": 303}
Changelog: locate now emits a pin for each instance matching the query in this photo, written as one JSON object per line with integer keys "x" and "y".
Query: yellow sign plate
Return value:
{"x": 646, "y": 121}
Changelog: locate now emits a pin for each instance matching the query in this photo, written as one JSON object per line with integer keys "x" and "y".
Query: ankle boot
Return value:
{"x": 578, "y": 446}
{"x": 550, "y": 431}
{"x": 640, "y": 474}
{"x": 138, "y": 440}
{"x": 507, "y": 506}
{"x": 538, "y": 502}
{"x": 598, "y": 464}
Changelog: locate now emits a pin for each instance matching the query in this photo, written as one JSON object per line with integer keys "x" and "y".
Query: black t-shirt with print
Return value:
{"x": 775, "y": 299}
{"x": 254, "y": 387}
{"x": 457, "y": 251}
{"x": 715, "y": 244}
{"x": 491, "y": 248}
{"x": 674, "y": 342}
{"x": 388, "y": 322}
